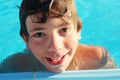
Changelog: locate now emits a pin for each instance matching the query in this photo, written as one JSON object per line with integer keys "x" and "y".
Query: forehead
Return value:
{"x": 50, "y": 23}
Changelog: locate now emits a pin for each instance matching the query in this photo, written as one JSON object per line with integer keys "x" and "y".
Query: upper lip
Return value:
{"x": 56, "y": 57}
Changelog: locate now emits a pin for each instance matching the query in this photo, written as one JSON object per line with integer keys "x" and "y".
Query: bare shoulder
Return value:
{"x": 98, "y": 51}
{"x": 94, "y": 56}
{"x": 106, "y": 60}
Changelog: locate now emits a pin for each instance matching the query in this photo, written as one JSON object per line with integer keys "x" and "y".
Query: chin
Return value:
{"x": 56, "y": 71}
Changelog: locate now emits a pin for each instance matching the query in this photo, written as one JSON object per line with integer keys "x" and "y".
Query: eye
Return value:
{"x": 64, "y": 30}
{"x": 39, "y": 34}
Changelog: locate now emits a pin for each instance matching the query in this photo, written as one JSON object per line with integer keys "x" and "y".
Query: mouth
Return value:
{"x": 55, "y": 61}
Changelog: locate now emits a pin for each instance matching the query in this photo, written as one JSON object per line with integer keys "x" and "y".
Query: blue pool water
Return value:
{"x": 100, "y": 18}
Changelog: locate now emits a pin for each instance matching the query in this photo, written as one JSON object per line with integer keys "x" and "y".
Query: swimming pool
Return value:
{"x": 101, "y": 26}
{"x": 109, "y": 74}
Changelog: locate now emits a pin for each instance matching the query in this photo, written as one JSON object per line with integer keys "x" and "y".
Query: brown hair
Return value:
{"x": 48, "y": 8}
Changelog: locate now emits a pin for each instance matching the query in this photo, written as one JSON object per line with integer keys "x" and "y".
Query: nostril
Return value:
{"x": 51, "y": 49}
{"x": 56, "y": 55}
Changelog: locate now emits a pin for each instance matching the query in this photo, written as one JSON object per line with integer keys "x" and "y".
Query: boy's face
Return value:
{"x": 53, "y": 43}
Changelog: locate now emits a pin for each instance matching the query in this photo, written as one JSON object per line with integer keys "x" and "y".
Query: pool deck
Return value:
{"x": 101, "y": 74}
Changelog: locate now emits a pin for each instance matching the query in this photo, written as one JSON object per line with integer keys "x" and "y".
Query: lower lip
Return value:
{"x": 57, "y": 62}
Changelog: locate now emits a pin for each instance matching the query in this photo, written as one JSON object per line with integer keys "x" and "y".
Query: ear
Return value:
{"x": 26, "y": 41}
{"x": 79, "y": 28}
{"x": 79, "y": 34}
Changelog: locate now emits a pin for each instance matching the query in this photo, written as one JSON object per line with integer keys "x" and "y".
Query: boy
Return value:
{"x": 51, "y": 30}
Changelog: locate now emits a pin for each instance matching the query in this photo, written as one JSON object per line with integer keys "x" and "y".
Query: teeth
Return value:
{"x": 55, "y": 59}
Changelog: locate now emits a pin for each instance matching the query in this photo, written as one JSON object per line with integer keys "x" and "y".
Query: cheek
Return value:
{"x": 36, "y": 47}
{"x": 72, "y": 41}
{"x": 33, "y": 44}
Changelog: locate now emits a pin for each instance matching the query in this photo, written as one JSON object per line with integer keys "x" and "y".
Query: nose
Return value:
{"x": 55, "y": 43}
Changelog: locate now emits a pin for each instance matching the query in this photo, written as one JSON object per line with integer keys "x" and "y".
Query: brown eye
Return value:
{"x": 40, "y": 34}
{"x": 64, "y": 30}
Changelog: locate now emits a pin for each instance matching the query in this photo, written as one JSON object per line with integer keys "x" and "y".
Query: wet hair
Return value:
{"x": 65, "y": 9}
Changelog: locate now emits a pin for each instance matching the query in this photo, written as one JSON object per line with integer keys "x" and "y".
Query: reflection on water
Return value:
{"x": 100, "y": 19}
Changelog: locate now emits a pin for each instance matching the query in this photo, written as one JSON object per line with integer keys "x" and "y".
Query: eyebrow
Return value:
{"x": 61, "y": 24}
{"x": 42, "y": 28}
{"x": 37, "y": 29}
